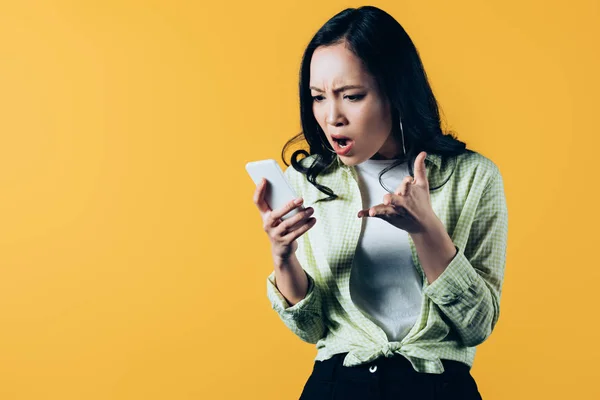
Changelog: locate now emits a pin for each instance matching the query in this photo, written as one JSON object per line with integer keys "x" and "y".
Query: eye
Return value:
{"x": 355, "y": 97}
{"x": 317, "y": 98}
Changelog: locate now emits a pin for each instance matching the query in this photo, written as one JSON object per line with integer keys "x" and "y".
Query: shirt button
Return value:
{"x": 373, "y": 368}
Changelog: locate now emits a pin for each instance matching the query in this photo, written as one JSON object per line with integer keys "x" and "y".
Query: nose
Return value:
{"x": 334, "y": 116}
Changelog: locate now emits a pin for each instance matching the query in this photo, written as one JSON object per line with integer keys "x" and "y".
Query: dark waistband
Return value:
{"x": 392, "y": 367}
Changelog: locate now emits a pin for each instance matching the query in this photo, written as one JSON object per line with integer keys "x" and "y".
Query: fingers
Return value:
{"x": 395, "y": 201}
{"x": 294, "y": 222}
{"x": 420, "y": 169}
{"x": 296, "y": 233}
{"x": 282, "y": 233}
{"x": 367, "y": 212}
{"x": 375, "y": 211}
{"x": 290, "y": 229}
{"x": 273, "y": 218}
{"x": 392, "y": 205}
{"x": 404, "y": 187}
{"x": 259, "y": 197}
{"x": 276, "y": 214}
{"x": 384, "y": 211}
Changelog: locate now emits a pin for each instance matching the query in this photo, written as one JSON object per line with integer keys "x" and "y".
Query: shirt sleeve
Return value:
{"x": 468, "y": 291}
{"x": 305, "y": 318}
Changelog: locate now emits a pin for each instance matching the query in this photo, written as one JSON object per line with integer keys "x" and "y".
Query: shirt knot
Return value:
{"x": 390, "y": 348}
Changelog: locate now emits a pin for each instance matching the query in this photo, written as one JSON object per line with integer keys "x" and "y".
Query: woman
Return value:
{"x": 401, "y": 276}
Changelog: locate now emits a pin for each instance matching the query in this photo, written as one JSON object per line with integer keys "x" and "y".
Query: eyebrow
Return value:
{"x": 340, "y": 89}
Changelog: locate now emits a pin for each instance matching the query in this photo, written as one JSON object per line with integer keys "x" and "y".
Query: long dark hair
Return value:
{"x": 390, "y": 56}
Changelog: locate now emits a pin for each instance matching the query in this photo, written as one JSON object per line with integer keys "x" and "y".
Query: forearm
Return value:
{"x": 462, "y": 295}
{"x": 466, "y": 284}
{"x": 290, "y": 279}
{"x": 434, "y": 248}
{"x": 297, "y": 300}
{"x": 468, "y": 301}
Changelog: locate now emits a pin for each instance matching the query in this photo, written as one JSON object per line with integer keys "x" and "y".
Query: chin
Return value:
{"x": 351, "y": 161}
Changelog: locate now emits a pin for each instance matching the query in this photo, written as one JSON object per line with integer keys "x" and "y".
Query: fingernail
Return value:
{"x": 298, "y": 201}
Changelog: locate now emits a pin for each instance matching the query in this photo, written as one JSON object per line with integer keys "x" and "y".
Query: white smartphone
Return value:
{"x": 278, "y": 192}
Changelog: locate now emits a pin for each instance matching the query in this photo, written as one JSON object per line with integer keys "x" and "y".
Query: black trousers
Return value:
{"x": 388, "y": 379}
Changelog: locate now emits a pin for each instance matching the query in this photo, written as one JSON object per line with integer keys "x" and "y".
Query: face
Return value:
{"x": 347, "y": 102}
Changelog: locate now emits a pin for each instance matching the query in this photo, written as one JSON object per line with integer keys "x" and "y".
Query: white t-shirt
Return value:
{"x": 384, "y": 283}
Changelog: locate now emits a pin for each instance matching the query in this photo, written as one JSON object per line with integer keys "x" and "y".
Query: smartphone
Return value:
{"x": 278, "y": 192}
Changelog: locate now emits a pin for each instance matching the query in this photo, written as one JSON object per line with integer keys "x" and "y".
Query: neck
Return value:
{"x": 378, "y": 156}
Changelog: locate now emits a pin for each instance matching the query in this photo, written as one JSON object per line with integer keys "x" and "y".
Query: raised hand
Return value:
{"x": 409, "y": 207}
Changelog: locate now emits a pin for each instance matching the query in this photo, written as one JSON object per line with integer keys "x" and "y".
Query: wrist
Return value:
{"x": 283, "y": 263}
{"x": 434, "y": 236}
{"x": 431, "y": 228}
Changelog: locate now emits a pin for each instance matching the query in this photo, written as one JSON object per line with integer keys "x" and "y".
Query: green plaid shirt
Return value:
{"x": 458, "y": 310}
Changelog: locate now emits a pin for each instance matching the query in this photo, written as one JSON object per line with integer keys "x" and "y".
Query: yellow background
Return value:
{"x": 133, "y": 263}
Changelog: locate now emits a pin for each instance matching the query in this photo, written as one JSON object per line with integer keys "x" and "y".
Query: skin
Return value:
{"x": 363, "y": 114}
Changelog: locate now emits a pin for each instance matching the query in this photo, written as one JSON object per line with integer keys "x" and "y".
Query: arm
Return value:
{"x": 468, "y": 289}
{"x": 291, "y": 280}
{"x": 293, "y": 293}
{"x": 302, "y": 318}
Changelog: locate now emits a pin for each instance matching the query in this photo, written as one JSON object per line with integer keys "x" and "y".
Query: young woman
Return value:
{"x": 396, "y": 269}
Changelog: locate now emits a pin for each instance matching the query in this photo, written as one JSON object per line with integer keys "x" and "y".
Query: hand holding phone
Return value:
{"x": 278, "y": 192}
{"x": 283, "y": 219}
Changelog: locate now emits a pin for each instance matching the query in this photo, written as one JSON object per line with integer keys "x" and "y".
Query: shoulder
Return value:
{"x": 477, "y": 161}
{"x": 475, "y": 165}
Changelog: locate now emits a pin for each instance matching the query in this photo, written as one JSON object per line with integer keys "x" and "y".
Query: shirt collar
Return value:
{"x": 436, "y": 159}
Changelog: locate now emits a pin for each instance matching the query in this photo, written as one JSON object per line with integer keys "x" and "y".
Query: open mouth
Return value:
{"x": 342, "y": 142}
{"x": 342, "y": 146}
